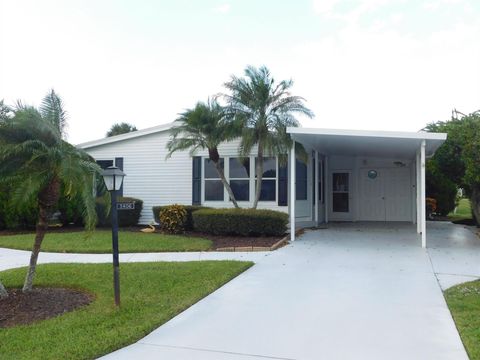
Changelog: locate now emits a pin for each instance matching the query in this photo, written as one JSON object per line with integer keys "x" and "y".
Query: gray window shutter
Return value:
{"x": 283, "y": 185}
{"x": 197, "y": 180}
{"x": 119, "y": 164}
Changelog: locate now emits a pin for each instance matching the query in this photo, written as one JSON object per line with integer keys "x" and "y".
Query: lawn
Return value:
{"x": 152, "y": 293}
{"x": 464, "y": 303}
{"x": 462, "y": 212}
{"x": 101, "y": 242}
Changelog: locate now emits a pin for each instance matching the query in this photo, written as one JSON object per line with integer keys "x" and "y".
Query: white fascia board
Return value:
{"x": 368, "y": 133}
{"x": 130, "y": 135}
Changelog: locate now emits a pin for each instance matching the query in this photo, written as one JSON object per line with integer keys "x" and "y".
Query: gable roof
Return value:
{"x": 121, "y": 137}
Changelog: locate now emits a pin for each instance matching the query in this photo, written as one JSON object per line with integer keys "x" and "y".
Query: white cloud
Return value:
{"x": 222, "y": 9}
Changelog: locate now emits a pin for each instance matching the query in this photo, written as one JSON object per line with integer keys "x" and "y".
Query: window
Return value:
{"x": 213, "y": 185}
{"x": 301, "y": 180}
{"x": 269, "y": 179}
{"x": 340, "y": 192}
{"x": 239, "y": 175}
{"x": 104, "y": 163}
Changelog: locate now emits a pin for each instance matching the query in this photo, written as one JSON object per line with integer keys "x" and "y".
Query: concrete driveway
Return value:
{"x": 352, "y": 291}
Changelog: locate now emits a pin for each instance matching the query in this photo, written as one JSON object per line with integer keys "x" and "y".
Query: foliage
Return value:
{"x": 42, "y": 166}
{"x": 100, "y": 241}
{"x": 263, "y": 109}
{"x": 70, "y": 209}
{"x": 152, "y": 294}
{"x": 188, "y": 225}
{"x": 440, "y": 188}
{"x": 243, "y": 222}
{"x": 121, "y": 128}
{"x": 127, "y": 217}
{"x": 173, "y": 218}
{"x": 200, "y": 128}
{"x": 457, "y": 161}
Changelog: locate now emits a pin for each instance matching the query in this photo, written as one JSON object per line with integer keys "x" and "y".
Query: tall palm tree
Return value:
{"x": 35, "y": 157}
{"x": 264, "y": 110}
{"x": 204, "y": 127}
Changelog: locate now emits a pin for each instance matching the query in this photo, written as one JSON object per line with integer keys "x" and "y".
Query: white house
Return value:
{"x": 351, "y": 175}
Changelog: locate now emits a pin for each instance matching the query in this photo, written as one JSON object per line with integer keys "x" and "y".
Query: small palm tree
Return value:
{"x": 264, "y": 109}
{"x": 203, "y": 127}
{"x": 35, "y": 157}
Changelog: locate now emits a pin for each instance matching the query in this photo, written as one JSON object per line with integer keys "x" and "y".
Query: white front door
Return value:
{"x": 371, "y": 197}
{"x": 385, "y": 194}
{"x": 341, "y": 199}
{"x": 398, "y": 194}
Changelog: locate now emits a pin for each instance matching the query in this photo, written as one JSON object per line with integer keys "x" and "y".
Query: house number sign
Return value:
{"x": 126, "y": 206}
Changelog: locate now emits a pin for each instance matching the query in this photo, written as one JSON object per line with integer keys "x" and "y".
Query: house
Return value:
{"x": 350, "y": 175}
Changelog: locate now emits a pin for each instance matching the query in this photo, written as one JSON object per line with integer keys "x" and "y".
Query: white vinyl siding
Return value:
{"x": 150, "y": 177}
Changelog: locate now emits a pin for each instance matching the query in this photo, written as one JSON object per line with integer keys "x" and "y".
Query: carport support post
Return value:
{"x": 423, "y": 204}
{"x": 292, "y": 191}
{"x": 418, "y": 191}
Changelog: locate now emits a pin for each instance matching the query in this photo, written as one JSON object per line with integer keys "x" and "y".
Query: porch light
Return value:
{"x": 113, "y": 178}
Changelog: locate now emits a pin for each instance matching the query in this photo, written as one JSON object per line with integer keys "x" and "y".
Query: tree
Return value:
{"x": 120, "y": 128}
{"x": 35, "y": 157}
{"x": 264, "y": 109}
{"x": 457, "y": 162}
{"x": 204, "y": 127}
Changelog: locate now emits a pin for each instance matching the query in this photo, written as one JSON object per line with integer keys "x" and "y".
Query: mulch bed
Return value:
{"x": 224, "y": 241}
{"x": 40, "y": 304}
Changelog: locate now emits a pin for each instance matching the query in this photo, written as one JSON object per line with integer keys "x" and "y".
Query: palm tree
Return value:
{"x": 35, "y": 157}
{"x": 203, "y": 127}
{"x": 264, "y": 110}
{"x": 121, "y": 128}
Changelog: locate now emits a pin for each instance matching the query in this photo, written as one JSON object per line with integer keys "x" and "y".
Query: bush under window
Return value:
{"x": 188, "y": 225}
{"x": 243, "y": 222}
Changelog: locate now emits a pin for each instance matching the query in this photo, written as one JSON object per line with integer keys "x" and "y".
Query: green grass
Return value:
{"x": 152, "y": 293}
{"x": 464, "y": 303}
{"x": 463, "y": 211}
{"x": 101, "y": 242}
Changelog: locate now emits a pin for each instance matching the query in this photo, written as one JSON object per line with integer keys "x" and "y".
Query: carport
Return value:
{"x": 356, "y": 175}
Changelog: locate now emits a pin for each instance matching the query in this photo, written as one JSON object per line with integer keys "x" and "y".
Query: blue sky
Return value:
{"x": 368, "y": 64}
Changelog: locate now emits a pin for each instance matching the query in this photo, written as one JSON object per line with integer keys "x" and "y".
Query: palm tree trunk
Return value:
{"x": 47, "y": 200}
{"x": 259, "y": 171}
{"x": 3, "y": 291}
{"x": 225, "y": 183}
{"x": 41, "y": 229}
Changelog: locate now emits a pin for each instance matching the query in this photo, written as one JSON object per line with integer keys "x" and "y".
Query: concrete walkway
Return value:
{"x": 352, "y": 291}
{"x": 16, "y": 258}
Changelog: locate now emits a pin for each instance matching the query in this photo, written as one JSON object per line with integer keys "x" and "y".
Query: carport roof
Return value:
{"x": 390, "y": 144}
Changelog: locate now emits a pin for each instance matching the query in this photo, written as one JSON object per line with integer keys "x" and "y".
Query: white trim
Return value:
{"x": 130, "y": 135}
{"x": 293, "y": 196}
{"x": 423, "y": 204}
{"x": 316, "y": 162}
{"x": 326, "y": 199}
{"x": 368, "y": 133}
{"x": 418, "y": 189}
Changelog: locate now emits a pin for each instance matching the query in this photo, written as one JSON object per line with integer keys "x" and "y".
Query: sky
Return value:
{"x": 360, "y": 64}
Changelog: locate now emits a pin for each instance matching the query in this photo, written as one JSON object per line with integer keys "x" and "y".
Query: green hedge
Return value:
{"x": 243, "y": 222}
{"x": 125, "y": 217}
{"x": 188, "y": 226}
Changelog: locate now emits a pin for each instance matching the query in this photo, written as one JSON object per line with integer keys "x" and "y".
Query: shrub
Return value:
{"x": 173, "y": 218}
{"x": 70, "y": 211}
{"x": 125, "y": 217}
{"x": 243, "y": 222}
{"x": 188, "y": 226}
